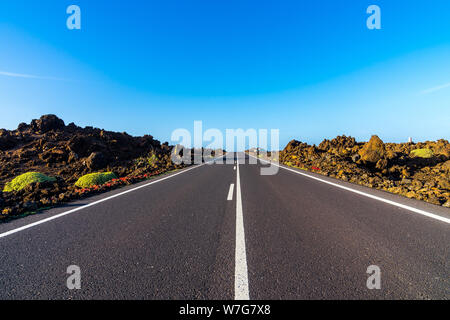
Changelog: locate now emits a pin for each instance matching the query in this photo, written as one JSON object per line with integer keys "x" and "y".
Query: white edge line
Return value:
{"x": 403, "y": 206}
{"x": 230, "y": 192}
{"x": 28, "y": 226}
{"x": 241, "y": 291}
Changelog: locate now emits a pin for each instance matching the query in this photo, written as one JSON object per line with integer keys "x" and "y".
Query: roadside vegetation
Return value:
{"x": 26, "y": 179}
{"x": 93, "y": 179}
{"x": 422, "y": 153}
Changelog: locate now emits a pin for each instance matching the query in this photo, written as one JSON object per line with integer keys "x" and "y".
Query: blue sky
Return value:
{"x": 309, "y": 68}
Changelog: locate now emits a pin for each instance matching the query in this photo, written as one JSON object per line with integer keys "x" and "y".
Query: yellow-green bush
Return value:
{"x": 20, "y": 182}
{"x": 152, "y": 160}
{"x": 95, "y": 179}
{"x": 422, "y": 153}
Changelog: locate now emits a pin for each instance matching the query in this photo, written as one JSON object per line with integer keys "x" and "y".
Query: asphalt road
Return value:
{"x": 189, "y": 235}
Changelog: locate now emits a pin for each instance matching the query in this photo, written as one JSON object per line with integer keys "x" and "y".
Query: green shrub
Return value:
{"x": 152, "y": 160}
{"x": 422, "y": 153}
{"x": 20, "y": 182}
{"x": 95, "y": 179}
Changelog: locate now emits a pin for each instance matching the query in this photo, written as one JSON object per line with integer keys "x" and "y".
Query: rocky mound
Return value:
{"x": 392, "y": 167}
{"x": 68, "y": 152}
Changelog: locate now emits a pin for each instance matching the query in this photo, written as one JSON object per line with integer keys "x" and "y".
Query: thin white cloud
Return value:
{"x": 29, "y": 76}
{"x": 447, "y": 85}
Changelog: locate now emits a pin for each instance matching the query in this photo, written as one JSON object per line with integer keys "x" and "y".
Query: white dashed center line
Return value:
{"x": 230, "y": 192}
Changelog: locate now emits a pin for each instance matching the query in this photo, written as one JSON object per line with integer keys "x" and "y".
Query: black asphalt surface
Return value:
{"x": 175, "y": 239}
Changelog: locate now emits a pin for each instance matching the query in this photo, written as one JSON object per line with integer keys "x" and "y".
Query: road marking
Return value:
{"x": 240, "y": 271}
{"x": 28, "y": 226}
{"x": 230, "y": 192}
{"x": 403, "y": 206}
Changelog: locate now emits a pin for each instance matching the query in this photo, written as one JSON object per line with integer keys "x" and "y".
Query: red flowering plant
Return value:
{"x": 115, "y": 183}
